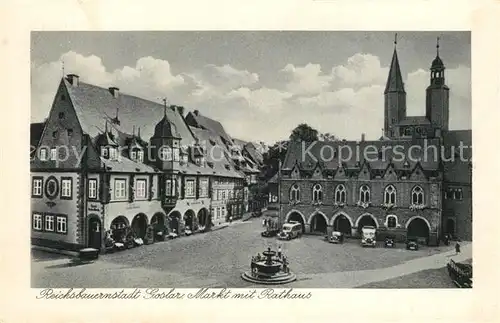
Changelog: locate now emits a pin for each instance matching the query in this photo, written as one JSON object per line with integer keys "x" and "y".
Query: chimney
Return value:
{"x": 196, "y": 112}
{"x": 73, "y": 79}
{"x": 362, "y": 137}
{"x": 114, "y": 91}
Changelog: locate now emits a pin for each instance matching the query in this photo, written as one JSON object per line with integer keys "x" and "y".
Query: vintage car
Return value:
{"x": 390, "y": 242}
{"x": 335, "y": 237}
{"x": 270, "y": 232}
{"x": 411, "y": 244}
{"x": 290, "y": 230}
{"x": 368, "y": 236}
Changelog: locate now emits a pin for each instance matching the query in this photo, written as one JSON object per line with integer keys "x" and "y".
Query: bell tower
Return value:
{"x": 394, "y": 96}
{"x": 437, "y": 105}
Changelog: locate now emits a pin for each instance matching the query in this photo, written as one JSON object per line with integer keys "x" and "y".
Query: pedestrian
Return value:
{"x": 264, "y": 222}
{"x": 457, "y": 247}
{"x": 279, "y": 251}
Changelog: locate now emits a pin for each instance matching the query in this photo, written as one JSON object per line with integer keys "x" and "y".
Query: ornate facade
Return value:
{"x": 401, "y": 184}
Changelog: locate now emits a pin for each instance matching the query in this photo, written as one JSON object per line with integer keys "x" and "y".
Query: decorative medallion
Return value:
{"x": 51, "y": 187}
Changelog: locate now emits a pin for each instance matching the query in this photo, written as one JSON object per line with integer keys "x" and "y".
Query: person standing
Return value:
{"x": 279, "y": 251}
{"x": 457, "y": 247}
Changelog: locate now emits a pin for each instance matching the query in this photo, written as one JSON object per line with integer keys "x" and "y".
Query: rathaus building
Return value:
{"x": 414, "y": 181}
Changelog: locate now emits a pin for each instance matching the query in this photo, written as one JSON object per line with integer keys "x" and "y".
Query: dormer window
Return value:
{"x": 176, "y": 154}
{"x": 104, "y": 152}
{"x": 113, "y": 154}
{"x": 133, "y": 155}
{"x": 140, "y": 156}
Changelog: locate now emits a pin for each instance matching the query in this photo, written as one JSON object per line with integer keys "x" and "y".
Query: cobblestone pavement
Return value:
{"x": 217, "y": 259}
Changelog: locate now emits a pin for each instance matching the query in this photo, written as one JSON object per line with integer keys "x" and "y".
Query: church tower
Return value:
{"x": 437, "y": 105}
{"x": 394, "y": 97}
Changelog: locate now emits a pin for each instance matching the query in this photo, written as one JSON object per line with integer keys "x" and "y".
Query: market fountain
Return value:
{"x": 269, "y": 270}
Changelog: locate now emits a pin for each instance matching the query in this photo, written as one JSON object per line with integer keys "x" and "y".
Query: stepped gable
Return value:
{"x": 95, "y": 105}
{"x": 395, "y": 149}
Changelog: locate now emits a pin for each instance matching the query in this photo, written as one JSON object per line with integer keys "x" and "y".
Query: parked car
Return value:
{"x": 411, "y": 244}
{"x": 368, "y": 236}
{"x": 390, "y": 242}
{"x": 335, "y": 237}
{"x": 270, "y": 232}
{"x": 290, "y": 230}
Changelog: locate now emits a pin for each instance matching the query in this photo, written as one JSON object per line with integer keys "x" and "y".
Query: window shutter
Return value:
{"x": 131, "y": 188}
{"x": 150, "y": 195}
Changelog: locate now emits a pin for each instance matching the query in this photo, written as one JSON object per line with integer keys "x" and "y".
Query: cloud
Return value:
{"x": 361, "y": 69}
{"x": 345, "y": 101}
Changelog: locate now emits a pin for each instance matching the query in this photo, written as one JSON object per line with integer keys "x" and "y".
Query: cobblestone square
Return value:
{"x": 217, "y": 259}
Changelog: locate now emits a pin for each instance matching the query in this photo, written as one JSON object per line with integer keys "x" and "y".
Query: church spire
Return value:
{"x": 395, "y": 80}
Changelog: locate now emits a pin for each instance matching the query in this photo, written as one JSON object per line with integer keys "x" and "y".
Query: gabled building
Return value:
{"x": 400, "y": 184}
{"x": 95, "y": 175}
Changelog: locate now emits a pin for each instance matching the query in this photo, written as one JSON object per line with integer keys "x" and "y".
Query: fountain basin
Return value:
{"x": 268, "y": 268}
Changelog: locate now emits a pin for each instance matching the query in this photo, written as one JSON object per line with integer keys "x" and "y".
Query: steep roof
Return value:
{"x": 216, "y": 154}
{"x": 94, "y": 105}
{"x": 195, "y": 119}
{"x": 396, "y": 152}
{"x": 458, "y": 170}
{"x": 395, "y": 80}
{"x": 254, "y": 153}
{"x": 36, "y": 130}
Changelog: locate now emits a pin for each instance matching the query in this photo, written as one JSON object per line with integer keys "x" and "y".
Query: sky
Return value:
{"x": 259, "y": 85}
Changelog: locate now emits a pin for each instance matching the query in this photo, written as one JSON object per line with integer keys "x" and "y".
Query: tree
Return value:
{"x": 327, "y": 137}
{"x": 303, "y": 132}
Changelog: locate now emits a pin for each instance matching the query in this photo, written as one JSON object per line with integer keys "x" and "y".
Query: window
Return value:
{"x": 176, "y": 154}
{"x": 53, "y": 153}
{"x": 49, "y": 223}
{"x": 55, "y": 134}
{"x": 223, "y": 194}
{"x": 340, "y": 194}
{"x": 295, "y": 193}
{"x": 408, "y": 131}
{"x": 317, "y": 193}
{"x": 120, "y": 192}
{"x": 62, "y": 226}
{"x": 43, "y": 154}
{"x": 113, "y": 154}
{"x": 140, "y": 156}
{"x": 66, "y": 187}
{"x": 63, "y": 97}
{"x": 204, "y": 188}
{"x": 61, "y": 114}
{"x": 70, "y": 132}
{"x": 218, "y": 213}
{"x": 92, "y": 188}
{"x": 459, "y": 195}
{"x": 364, "y": 194}
{"x": 190, "y": 187}
{"x": 391, "y": 221}
{"x": 140, "y": 188}
{"x": 166, "y": 154}
{"x": 37, "y": 222}
{"x": 417, "y": 196}
{"x": 133, "y": 155}
{"x": 223, "y": 212}
{"x": 104, "y": 152}
{"x": 36, "y": 186}
{"x": 390, "y": 195}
